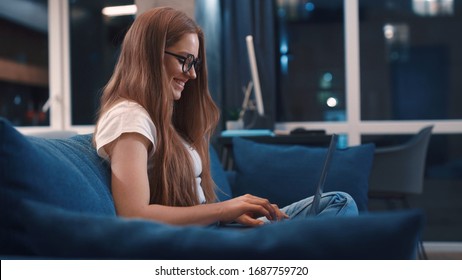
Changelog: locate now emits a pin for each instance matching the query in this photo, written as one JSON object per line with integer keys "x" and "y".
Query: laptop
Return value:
{"x": 315, "y": 208}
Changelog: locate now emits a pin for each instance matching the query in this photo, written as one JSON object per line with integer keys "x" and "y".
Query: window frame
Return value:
{"x": 59, "y": 73}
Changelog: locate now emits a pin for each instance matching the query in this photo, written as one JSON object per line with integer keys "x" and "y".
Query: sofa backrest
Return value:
{"x": 63, "y": 172}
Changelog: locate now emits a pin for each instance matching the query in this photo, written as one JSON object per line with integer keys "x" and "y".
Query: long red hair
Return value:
{"x": 140, "y": 76}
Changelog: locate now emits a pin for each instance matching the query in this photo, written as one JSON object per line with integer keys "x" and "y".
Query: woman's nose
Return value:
{"x": 192, "y": 73}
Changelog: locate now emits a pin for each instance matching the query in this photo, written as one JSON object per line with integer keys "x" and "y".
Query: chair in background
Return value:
{"x": 398, "y": 171}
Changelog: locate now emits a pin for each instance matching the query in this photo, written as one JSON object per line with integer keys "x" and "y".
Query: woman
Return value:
{"x": 154, "y": 126}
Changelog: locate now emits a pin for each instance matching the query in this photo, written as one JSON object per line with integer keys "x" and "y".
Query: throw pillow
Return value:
{"x": 63, "y": 172}
{"x": 285, "y": 174}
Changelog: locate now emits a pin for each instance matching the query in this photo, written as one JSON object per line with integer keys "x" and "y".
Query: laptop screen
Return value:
{"x": 322, "y": 180}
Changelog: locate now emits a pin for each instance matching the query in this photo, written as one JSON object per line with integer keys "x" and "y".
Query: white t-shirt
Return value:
{"x": 129, "y": 116}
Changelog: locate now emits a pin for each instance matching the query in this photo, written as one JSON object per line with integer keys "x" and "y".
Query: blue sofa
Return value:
{"x": 56, "y": 203}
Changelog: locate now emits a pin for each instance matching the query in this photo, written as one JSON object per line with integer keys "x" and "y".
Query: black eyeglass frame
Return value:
{"x": 193, "y": 61}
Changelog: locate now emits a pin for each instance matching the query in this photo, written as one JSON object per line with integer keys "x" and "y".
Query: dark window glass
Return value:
{"x": 311, "y": 66}
{"x": 410, "y": 59}
{"x": 95, "y": 41}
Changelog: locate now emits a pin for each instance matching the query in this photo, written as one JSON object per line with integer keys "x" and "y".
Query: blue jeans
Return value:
{"x": 332, "y": 204}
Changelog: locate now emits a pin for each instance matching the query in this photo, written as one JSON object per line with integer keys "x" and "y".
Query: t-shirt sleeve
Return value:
{"x": 123, "y": 118}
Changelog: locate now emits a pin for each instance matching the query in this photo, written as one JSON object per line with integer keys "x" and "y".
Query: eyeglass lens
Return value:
{"x": 189, "y": 62}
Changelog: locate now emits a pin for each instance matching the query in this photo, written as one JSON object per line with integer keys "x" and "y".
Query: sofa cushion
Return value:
{"x": 44, "y": 230}
{"x": 63, "y": 172}
{"x": 219, "y": 176}
{"x": 285, "y": 174}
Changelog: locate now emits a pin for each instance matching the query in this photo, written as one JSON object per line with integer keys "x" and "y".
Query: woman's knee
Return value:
{"x": 342, "y": 202}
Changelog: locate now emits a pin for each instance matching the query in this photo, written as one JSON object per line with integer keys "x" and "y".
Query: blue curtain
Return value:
{"x": 229, "y": 69}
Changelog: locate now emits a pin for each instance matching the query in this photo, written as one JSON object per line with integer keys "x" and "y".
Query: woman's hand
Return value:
{"x": 247, "y": 208}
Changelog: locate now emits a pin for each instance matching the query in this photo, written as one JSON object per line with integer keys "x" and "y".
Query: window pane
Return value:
{"x": 311, "y": 70}
{"x": 24, "y": 61}
{"x": 410, "y": 59}
{"x": 95, "y": 40}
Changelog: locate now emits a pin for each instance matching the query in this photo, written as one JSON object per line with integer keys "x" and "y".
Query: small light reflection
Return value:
{"x": 331, "y": 102}
{"x": 327, "y": 77}
{"x": 433, "y": 7}
{"x": 284, "y": 63}
{"x": 388, "y": 31}
{"x": 115, "y": 11}
{"x": 17, "y": 100}
{"x": 309, "y": 7}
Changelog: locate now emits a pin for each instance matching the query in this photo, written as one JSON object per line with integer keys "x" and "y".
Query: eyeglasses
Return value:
{"x": 188, "y": 61}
